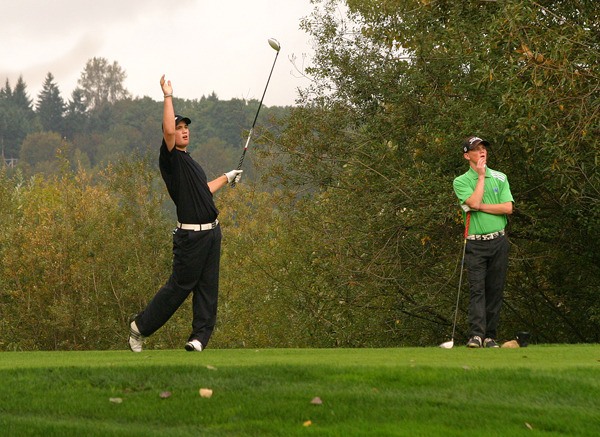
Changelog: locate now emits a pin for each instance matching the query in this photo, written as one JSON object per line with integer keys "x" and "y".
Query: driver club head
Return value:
{"x": 274, "y": 44}
{"x": 447, "y": 344}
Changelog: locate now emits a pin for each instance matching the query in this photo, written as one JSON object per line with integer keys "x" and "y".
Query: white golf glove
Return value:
{"x": 233, "y": 176}
{"x": 465, "y": 207}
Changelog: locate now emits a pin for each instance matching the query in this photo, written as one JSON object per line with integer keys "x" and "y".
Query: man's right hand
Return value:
{"x": 481, "y": 166}
{"x": 166, "y": 86}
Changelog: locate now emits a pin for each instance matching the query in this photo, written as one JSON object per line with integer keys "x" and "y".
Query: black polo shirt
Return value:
{"x": 187, "y": 185}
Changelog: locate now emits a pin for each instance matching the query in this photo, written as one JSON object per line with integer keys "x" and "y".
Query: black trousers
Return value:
{"x": 487, "y": 264}
{"x": 196, "y": 257}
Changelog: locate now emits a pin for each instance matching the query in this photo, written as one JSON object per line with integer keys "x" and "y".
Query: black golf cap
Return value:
{"x": 471, "y": 142}
{"x": 179, "y": 118}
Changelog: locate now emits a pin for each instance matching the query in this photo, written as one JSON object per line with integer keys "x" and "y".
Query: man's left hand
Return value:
{"x": 233, "y": 176}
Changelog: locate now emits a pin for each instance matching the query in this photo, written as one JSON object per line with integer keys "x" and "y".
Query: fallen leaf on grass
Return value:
{"x": 316, "y": 401}
{"x": 307, "y": 423}
{"x": 206, "y": 392}
{"x": 528, "y": 426}
{"x": 209, "y": 367}
{"x": 116, "y": 400}
{"x": 165, "y": 394}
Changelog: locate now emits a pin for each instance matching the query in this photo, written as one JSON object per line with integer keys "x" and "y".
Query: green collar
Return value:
{"x": 474, "y": 175}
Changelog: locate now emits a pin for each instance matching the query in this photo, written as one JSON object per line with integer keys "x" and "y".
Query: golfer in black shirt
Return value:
{"x": 196, "y": 241}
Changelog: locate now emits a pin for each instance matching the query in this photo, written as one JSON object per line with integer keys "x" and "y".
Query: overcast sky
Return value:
{"x": 201, "y": 45}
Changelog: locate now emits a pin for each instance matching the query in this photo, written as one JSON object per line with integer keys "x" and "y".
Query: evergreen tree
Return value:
{"x": 6, "y": 91}
{"x": 76, "y": 117}
{"x": 21, "y": 99}
{"x": 50, "y": 106}
{"x": 16, "y": 117}
{"x": 3, "y": 128}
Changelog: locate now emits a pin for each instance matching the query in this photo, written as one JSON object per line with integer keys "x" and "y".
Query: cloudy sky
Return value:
{"x": 201, "y": 45}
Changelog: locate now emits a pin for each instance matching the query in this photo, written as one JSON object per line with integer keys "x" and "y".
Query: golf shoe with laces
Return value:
{"x": 193, "y": 346}
{"x": 474, "y": 342}
{"x": 136, "y": 339}
{"x": 490, "y": 342}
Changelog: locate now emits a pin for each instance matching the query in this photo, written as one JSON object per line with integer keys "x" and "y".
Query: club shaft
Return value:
{"x": 263, "y": 95}
{"x": 239, "y": 167}
{"x": 462, "y": 264}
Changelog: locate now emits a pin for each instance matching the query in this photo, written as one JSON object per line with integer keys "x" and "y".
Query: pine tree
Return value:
{"x": 50, "y": 106}
{"x": 76, "y": 116}
{"x": 6, "y": 92}
{"x": 16, "y": 117}
{"x": 20, "y": 97}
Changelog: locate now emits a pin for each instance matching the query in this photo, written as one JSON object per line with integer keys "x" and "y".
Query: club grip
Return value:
{"x": 239, "y": 167}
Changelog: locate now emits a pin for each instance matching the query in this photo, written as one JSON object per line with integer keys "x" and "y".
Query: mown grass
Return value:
{"x": 550, "y": 390}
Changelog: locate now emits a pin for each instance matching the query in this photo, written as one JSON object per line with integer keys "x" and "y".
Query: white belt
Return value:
{"x": 486, "y": 237}
{"x": 204, "y": 227}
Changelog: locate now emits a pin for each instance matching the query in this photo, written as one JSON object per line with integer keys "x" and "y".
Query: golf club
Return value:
{"x": 450, "y": 344}
{"x": 275, "y": 46}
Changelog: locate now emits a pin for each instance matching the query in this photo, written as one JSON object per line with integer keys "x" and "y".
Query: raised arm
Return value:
{"x": 168, "y": 113}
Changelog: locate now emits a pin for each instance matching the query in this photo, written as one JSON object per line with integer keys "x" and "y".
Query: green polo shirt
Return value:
{"x": 495, "y": 190}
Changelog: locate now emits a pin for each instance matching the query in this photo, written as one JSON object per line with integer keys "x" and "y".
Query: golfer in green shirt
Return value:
{"x": 485, "y": 195}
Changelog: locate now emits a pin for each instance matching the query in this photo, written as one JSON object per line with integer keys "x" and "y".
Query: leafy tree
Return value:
{"x": 375, "y": 146}
{"x": 143, "y": 115}
{"x": 82, "y": 257}
{"x": 118, "y": 143}
{"x": 40, "y": 151}
{"x": 50, "y": 106}
{"x": 101, "y": 118}
{"x": 214, "y": 156}
{"x": 102, "y": 83}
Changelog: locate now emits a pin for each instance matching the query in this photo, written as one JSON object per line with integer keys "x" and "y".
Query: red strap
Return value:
{"x": 468, "y": 221}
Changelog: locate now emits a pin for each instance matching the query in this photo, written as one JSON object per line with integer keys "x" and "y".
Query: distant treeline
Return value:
{"x": 101, "y": 122}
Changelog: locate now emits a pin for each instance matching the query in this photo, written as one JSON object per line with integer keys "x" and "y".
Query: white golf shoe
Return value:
{"x": 136, "y": 340}
{"x": 193, "y": 346}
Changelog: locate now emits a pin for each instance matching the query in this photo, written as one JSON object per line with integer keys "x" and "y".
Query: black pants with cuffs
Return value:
{"x": 487, "y": 264}
{"x": 196, "y": 257}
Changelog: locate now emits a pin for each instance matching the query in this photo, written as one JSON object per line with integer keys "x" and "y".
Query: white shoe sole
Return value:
{"x": 193, "y": 346}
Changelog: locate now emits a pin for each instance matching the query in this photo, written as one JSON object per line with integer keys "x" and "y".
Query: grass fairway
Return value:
{"x": 550, "y": 390}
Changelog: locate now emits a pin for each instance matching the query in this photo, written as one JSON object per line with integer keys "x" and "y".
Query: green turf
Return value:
{"x": 550, "y": 390}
